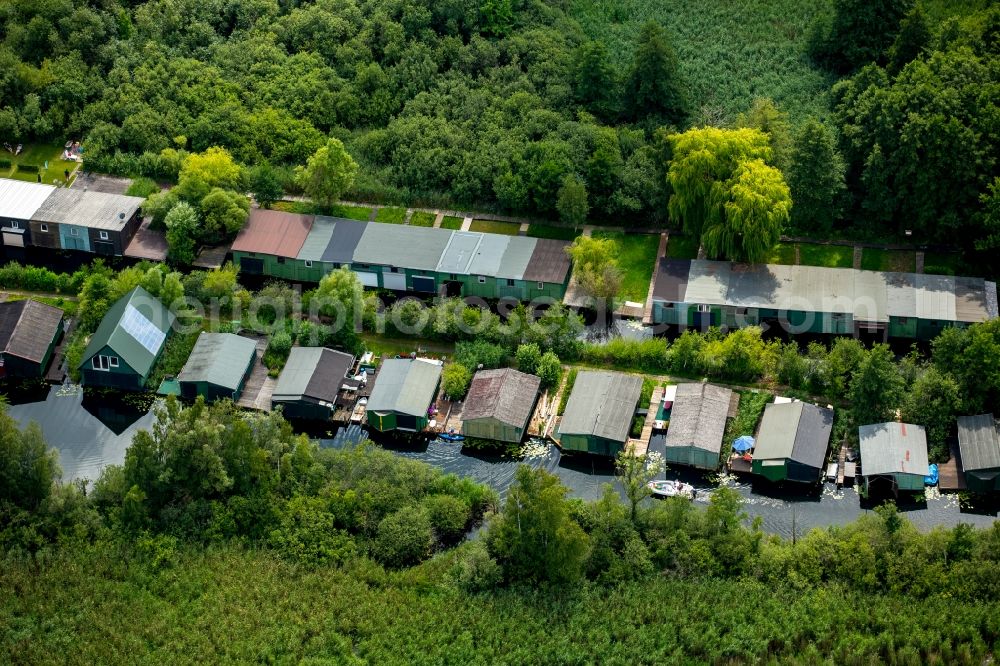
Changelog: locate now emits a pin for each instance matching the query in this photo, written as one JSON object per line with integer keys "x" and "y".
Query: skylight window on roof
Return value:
{"x": 144, "y": 331}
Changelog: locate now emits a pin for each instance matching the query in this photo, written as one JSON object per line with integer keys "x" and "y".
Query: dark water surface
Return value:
{"x": 93, "y": 432}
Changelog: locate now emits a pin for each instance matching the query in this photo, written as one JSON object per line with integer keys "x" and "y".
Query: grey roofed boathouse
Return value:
{"x": 896, "y": 452}
{"x": 792, "y": 442}
{"x": 29, "y": 331}
{"x": 499, "y": 404}
{"x": 697, "y": 425}
{"x": 218, "y": 366}
{"x": 979, "y": 444}
{"x": 310, "y": 382}
{"x": 599, "y": 412}
{"x": 404, "y": 390}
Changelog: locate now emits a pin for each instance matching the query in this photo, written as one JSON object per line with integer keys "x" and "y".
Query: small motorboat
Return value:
{"x": 452, "y": 436}
{"x": 671, "y": 489}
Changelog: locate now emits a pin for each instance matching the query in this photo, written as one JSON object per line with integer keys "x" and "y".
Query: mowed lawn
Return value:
{"x": 636, "y": 258}
{"x": 38, "y": 154}
{"x": 451, "y": 222}
{"x": 554, "y": 233}
{"x": 422, "y": 219}
{"x": 900, "y": 261}
{"x": 495, "y": 227}
{"x": 390, "y": 215}
{"x": 830, "y": 256}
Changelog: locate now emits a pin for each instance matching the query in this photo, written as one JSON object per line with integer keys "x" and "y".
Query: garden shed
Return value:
{"x": 218, "y": 366}
{"x": 697, "y": 425}
{"x": 29, "y": 332}
{"x": 792, "y": 442}
{"x": 599, "y": 412}
{"x": 893, "y": 455}
{"x": 979, "y": 444}
{"x": 403, "y": 394}
{"x": 310, "y": 382}
{"x": 499, "y": 404}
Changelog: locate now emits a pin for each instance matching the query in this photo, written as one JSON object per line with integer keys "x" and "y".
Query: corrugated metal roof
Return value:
{"x": 602, "y": 404}
{"x": 901, "y": 294}
{"x": 112, "y": 330}
{"x": 407, "y": 386}
{"x": 517, "y": 256}
{"x": 345, "y": 238}
{"x": 459, "y": 252}
{"x": 317, "y": 241}
{"x": 935, "y": 297}
{"x": 698, "y": 416}
{"x": 979, "y": 442}
{"x": 505, "y": 395}
{"x": 27, "y": 328}
{"x": 419, "y": 248}
{"x": 972, "y": 300}
{"x": 549, "y": 262}
{"x": 20, "y": 200}
{"x": 273, "y": 232}
{"x": 795, "y": 430}
{"x": 313, "y": 372}
{"x": 96, "y": 210}
{"x": 868, "y": 298}
{"x": 708, "y": 283}
{"x": 893, "y": 448}
{"x": 220, "y": 359}
{"x": 489, "y": 256}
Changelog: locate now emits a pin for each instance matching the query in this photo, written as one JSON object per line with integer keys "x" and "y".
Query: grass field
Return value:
{"x": 783, "y": 253}
{"x": 636, "y": 258}
{"x": 422, "y": 219}
{"x": 496, "y": 227}
{"x": 944, "y": 263}
{"x": 38, "y": 154}
{"x": 451, "y": 222}
{"x": 556, "y": 233}
{"x": 888, "y": 260}
{"x": 830, "y": 256}
{"x": 682, "y": 247}
{"x": 390, "y": 215}
{"x": 729, "y": 52}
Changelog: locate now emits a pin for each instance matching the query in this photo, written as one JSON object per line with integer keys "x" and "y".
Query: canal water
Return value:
{"x": 94, "y": 431}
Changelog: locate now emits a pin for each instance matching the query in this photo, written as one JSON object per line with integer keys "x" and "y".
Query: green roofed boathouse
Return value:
{"x": 403, "y": 394}
{"x": 127, "y": 343}
{"x": 218, "y": 367}
{"x": 599, "y": 412}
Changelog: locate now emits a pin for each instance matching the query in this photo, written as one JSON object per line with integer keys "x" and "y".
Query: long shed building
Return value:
{"x": 599, "y": 412}
{"x": 979, "y": 444}
{"x": 811, "y": 299}
{"x": 697, "y": 425}
{"x": 19, "y": 201}
{"x": 96, "y": 222}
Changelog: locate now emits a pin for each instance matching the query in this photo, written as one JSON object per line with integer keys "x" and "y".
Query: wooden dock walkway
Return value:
{"x": 56, "y": 372}
{"x": 260, "y": 387}
{"x": 647, "y": 312}
{"x": 951, "y": 475}
{"x": 639, "y": 447}
{"x": 544, "y": 420}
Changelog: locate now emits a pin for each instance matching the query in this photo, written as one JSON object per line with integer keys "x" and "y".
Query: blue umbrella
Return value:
{"x": 744, "y": 443}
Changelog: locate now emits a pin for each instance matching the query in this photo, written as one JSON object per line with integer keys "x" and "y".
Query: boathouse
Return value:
{"x": 96, "y": 222}
{"x": 311, "y": 382}
{"x": 792, "y": 442}
{"x": 499, "y": 405}
{"x": 218, "y": 367}
{"x": 979, "y": 445}
{"x": 893, "y": 455}
{"x": 127, "y": 343}
{"x": 29, "y": 333}
{"x": 403, "y": 394}
{"x": 697, "y": 425}
{"x": 599, "y": 412}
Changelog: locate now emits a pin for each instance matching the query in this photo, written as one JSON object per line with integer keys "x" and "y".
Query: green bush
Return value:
{"x": 404, "y": 538}
{"x": 29, "y": 168}
{"x": 5, "y": 163}
{"x": 549, "y": 370}
{"x": 570, "y": 381}
{"x": 527, "y": 356}
{"x": 474, "y": 354}
{"x": 449, "y": 517}
{"x": 142, "y": 187}
{"x": 455, "y": 380}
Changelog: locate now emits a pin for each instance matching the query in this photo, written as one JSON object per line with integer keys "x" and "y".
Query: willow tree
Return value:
{"x": 595, "y": 267}
{"x": 727, "y": 192}
{"x": 752, "y": 216}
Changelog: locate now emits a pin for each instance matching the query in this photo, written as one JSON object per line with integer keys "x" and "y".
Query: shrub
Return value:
{"x": 449, "y": 517}
{"x": 455, "y": 380}
{"x": 404, "y": 538}
{"x": 142, "y": 187}
{"x": 474, "y": 354}
{"x": 475, "y": 570}
{"x": 5, "y": 164}
{"x": 29, "y": 168}
{"x": 549, "y": 370}
{"x": 528, "y": 356}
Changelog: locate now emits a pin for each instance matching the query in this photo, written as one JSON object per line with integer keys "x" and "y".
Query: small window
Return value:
{"x": 510, "y": 283}
{"x": 14, "y": 224}
{"x": 113, "y": 361}
{"x": 904, "y": 320}
{"x": 482, "y": 279}
{"x": 704, "y": 308}
{"x": 668, "y": 306}
{"x": 104, "y": 235}
{"x": 253, "y": 254}
{"x": 281, "y": 260}
{"x": 308, "y": 263}
{"x": 73, "y": 231}
{"x": 44, "y": 227}
{"x": 452, "y": 276}
{"x": 394, "y": 269}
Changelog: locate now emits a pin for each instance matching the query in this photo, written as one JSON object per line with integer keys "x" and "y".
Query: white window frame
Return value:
{"x": 308, "y": 263}
{"x": 704, "y": 308}
{"x": 14, "y": 224}
{"x": 541, "y": 285}
{"x": 43, "y": 227}
{"x": 482, "y": 279}
{"x": 73, "y": 231}
{"x": 104, "y": 235}
{"x": 103, "y": 362}
{"x": 113, "y": 361}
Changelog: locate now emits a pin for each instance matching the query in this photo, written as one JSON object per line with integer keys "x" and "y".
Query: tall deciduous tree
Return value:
{"x": 572, "y": 203}
{"x": 182, "y": 232}
{"x": 328, "y": 174}
{"x": 634, "y": 473}
{"x": 223, "y": 214}
{"x": 595, "y": 267}
{"x": 765, "y": 116}
{"x": 914, "y": 36}
{"x": 535, "y": 538}
{"x": 816, "y": 178}
{"x": 653, "y": 87}
{"x": 265, "y": 185}
{"x": 201, "y": 172}
{"x": 595, "y": 84}
{"x": 876, "y": 388}
{"x": 933, "y": 401}
{"x": 860, "y": 32}
{"x": 989, "y": 217}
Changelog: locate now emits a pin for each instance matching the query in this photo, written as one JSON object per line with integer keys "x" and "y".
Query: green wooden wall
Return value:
{"x": 492, "y": 429}
{"x": 692, "y": 456}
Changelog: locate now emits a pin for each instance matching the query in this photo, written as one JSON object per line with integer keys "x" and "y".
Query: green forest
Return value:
{"x": 225, "y": 537}
{"x": 880, "y": 117}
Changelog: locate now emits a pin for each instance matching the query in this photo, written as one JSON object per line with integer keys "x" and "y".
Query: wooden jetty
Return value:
{"x": 951, "y": 475}
{"x": 259, "y": 387}
{"x": 543, "y": 421}
{"x": 57, "y": 371}
{"x": 640, "y": 446}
